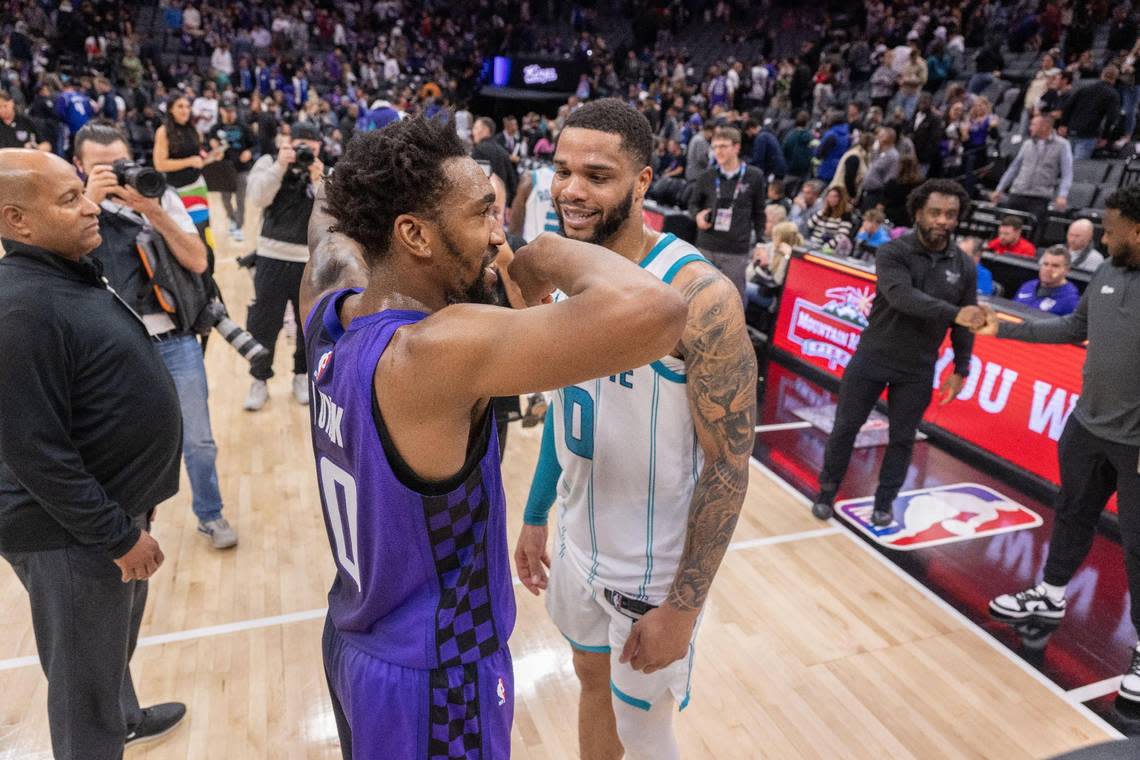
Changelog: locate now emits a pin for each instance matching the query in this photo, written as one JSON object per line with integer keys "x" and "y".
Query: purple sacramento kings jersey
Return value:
{"x": 423, "y": 577}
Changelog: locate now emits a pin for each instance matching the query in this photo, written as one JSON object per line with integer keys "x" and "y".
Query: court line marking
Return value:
{"x": 946, "y": 607}
{"x": 783, "y": 426}
{"x": 1094, "y": 690}
{"x": 297, "y": 617}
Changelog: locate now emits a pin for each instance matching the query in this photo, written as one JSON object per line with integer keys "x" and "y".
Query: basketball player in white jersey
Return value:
{"x": 532, "y": 212}
{"x": 648, "y": 467}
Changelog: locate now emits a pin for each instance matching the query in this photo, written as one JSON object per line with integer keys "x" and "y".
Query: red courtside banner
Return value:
{"x": 1014, "y": 403}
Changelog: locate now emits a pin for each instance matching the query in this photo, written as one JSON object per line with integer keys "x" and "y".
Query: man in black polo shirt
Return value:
{"x": 90, "y": 436}
{"x": 16, "y": 129}
{"x": 925, "y": 285}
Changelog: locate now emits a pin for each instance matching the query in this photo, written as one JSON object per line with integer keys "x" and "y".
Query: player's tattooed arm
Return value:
{"x": 335, "y": 261}
{"x": 720, "y": 367}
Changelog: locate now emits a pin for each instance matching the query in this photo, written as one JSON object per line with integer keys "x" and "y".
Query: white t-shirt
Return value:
{"x": 205, "y": 113}
{"x": 222, "y": 61}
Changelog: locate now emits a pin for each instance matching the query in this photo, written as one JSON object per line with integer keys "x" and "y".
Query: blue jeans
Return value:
{"x": 1128, "y": 99}
{"x": 183, "y": 359}
{"x": 979, "y": 82}
{"x": 1083, "y": 147}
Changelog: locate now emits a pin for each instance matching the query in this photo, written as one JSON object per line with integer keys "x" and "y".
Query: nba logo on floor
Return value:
{"x": 932, "y": 516}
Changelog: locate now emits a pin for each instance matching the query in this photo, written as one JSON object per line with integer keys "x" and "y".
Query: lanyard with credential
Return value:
{"x": 736, "y": 192}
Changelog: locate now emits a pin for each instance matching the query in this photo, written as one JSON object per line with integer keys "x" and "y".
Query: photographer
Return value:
{"x": 283, "y": 186}
{"x": 126, "y": 218}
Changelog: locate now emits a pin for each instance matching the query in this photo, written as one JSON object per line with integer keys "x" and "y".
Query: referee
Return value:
{"x": 925, "y": 285}
{"x": 1099, "y": 450}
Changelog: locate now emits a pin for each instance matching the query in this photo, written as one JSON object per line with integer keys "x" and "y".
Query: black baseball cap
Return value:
{"x": 303, "y": 130}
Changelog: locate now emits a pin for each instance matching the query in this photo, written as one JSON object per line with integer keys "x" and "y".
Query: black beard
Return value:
{"x": 610, "y": 224}
{"x": 924, "y": 236}
{"x": 478, "y": 291}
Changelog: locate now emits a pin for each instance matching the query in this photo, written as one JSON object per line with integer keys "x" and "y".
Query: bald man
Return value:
{"x": 1079, "y": 241}
{"x": 90, "y": 438}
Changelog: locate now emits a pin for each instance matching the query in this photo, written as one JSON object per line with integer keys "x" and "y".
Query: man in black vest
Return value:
{"x": 124, "y": 215}
{"x": 89, "y": 439}
{"x": 283, "y": 188}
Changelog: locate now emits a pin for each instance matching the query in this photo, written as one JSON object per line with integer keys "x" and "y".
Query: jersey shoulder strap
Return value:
{"x": 669, "y": 256}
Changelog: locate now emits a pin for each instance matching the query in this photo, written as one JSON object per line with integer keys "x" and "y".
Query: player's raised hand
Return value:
{"x": 659, "y": 639}
{"x": 532, "y": 559}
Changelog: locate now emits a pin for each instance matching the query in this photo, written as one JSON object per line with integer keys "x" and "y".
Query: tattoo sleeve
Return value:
{"x": 721, "y": 376}
{"x": 335, "y": 261}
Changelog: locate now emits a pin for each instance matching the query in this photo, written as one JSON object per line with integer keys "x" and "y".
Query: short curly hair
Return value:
{"x": 388, "y": 172}
{"x": 921, "y": 194}
{"x": 1126, "y": 200}
{"x": 617, "y": 118}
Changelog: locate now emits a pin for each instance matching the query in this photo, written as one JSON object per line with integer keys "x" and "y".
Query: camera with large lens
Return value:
{"x": 149, "y": 182}
{"x": 303, "y": 159}
{"x": 216, "y": 316}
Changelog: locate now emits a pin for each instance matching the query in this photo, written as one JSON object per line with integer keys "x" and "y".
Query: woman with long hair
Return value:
{"x": 897, "y": 190}
{"x": 179, "y": 152}
{"x": 833, "y": 221}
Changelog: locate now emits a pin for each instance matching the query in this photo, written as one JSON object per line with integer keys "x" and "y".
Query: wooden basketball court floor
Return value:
{"x": 812, "y": 646}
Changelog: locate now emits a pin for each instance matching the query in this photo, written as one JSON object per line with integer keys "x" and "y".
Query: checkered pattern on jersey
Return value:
{"x": 455, "y": 731}
{"x": 457, "y": 527}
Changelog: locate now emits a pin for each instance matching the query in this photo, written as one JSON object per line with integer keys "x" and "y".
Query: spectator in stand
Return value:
{"x": 222, "y": 61}
{"x": 926, "y": 130}
{"x": 73, "y": 108}
{"x": 972, "y": 247}
{"x": 776, "y": 196}
{"x": 487, "y": 149}
{"x": 806, "y": 204}
{"x": 204, "y": 109}
{"x": 511, "y": 140}
{"x": 832, "y": 224}
{"x": 1036, "y": 89}
{"x": 773, "y": 215}
{"x": 883, "y": 168}
{"x": 1090, "y": 114}
{"x": 1051, "y": 291}
{"x": 873, "y": 233}
{"x": 834, "y": 143}
{"x": 797, "y": 147}
{"x": 769, "y": 265}
{"x": 1009, "y": 240}
{"x": 990, "y": 63}
{"x": 673, "y": 161}
{"x": 16, "y": 129}
{"x": 1083, "y": 255}
{"x": 913, "y": 77}
{"x": 884, "y": 80}
{"x": 853, "y": 166}
{"x": 1041, "y": 173}
{"x": 983, "y": 126}
{"x": 1129, "y": 91}
{"x": 698, "y": 156}
{"x": 766, "y": 155}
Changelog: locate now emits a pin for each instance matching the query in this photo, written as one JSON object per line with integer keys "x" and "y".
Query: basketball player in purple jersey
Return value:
{"x": 404, "y": 361}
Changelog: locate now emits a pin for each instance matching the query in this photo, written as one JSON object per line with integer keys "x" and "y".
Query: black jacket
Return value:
{"x": 747, "y": 211}
{"x": 917, "y": 296}
{"x": 1092, "y": 110}
{"x": 90, "y": 427}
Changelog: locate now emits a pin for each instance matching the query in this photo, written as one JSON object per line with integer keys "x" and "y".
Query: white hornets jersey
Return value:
{"x": 540, "y": 216}
{"x": 630, "y": 460}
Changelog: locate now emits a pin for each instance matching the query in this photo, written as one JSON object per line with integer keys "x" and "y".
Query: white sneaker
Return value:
{"x": 1031, "y": 603}
{"x": 236, "y": 236}
{"x": 301, "y": 389}
{"x": 1130, "y": 683}
{"x": 222, "y": 536}
{"x": 258, "y": 395}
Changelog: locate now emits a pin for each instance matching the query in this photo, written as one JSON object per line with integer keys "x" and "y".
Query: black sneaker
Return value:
{"x": 822, "y": 508}
{"x": 1030, "y": 603}
{"x": 158, "y": 721}
{"x": 1130, "y": 683}
{"x": 881, "y": 518}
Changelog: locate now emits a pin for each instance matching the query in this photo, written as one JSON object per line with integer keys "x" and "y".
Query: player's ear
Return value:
{"x": 644, "y": 180}
{"x": 411, "y": 232}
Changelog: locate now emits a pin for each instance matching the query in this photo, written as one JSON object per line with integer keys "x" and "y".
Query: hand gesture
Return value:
{"x": 659, "y": 639}
{"x": 703, "y": 222}
{"x": 995, "y": 197}
{"x": 142, "y": 561}
{"x": 990, "y": 326}
{"x": 531, "y": 558}
{"x": 286, "y": 155}
{"x": 100, "y": 183}
{"x": 972, "y": 317}
{"x": 526, "y": 274}
{"x": 316, "y": 171}
{"x": 1061, "y": 202}
{"x": 950, "y": 389}
{"x": 196, "y": 162}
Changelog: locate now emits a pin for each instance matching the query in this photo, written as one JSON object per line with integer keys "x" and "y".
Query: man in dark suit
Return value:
{"x": 489, "y": 150}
